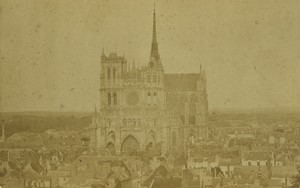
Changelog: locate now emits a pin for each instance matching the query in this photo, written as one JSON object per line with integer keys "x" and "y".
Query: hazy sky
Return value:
{"x": 249, "y": 49}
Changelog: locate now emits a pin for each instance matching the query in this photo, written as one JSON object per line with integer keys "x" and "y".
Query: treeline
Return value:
{"x": 18, "y": 123}
{"x": 258, "y": 117}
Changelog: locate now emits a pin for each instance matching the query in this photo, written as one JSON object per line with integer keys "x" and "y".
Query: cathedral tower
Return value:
{"x": 154, "y": 74}
{"x": 145, "y": 109}
{"x": 113, "y": 68}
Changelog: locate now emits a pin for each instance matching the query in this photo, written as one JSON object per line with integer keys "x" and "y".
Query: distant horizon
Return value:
{"x": 218, "y": 109}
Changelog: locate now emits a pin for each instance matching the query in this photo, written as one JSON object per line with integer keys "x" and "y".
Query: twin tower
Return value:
{"x": 144, "y": 109}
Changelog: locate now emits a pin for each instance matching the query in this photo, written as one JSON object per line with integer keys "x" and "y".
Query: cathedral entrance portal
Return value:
{"x": 149, "y": 147}
{"x": 130, "y": 144}
{"x": 111, "y": 149}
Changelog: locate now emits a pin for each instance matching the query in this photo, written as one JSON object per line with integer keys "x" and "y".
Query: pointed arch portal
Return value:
{"x": 130, "y": 144}
{"x": 149, "y": 146}
{"x": 111, "y": 148}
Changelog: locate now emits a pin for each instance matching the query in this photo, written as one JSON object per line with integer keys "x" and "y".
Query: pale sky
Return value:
{"x": 249, "y": 49}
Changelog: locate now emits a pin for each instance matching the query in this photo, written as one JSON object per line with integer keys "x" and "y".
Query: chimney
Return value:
{"x": 3, "y": 130}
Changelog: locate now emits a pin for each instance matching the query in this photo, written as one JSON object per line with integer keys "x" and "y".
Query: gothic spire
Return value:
{"x": 154, "y": 46}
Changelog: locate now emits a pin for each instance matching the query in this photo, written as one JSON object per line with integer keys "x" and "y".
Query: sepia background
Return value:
{"x": 50, "y": 50}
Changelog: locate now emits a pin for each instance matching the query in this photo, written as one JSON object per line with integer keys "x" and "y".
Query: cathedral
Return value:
{"x": 144, "y": 109}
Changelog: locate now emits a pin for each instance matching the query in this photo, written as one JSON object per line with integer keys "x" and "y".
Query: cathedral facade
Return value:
{"x": 143, "y": 108}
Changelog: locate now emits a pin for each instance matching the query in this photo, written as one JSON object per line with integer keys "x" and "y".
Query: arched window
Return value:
{"x": 151, "y": 136}
{"x": 115, "y": 99}
{"x": 149, "y": 98}
{"x": 148, "y": 77}
{"x": 114, "y": 73}
{"x": 129, "y": 123}
{"x": 112, "y": 136}
{"x": 154, "y": 100}
{"x": 109, "y": 99}
{"x": 130, "y": 144}
{"x": 191, "y": 139}
{"x": 134, "y": 123}
{"x": 154, "y": 78}
{"x": 108, "y": 73}
{"x": 111, "y": 148}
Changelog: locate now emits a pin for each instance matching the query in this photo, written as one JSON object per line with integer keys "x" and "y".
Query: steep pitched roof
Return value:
{"x": 284, "y": 171}
{"x": 241, "y": 186}
{"x": 94, "y": 183}
{"x": 59, "y": 173}
{"x": 181, "y": 82}
{"x": 81, "y": 177}
{"x": 258, "y": 155}
{"x": 273, "y": 182}
{"x": 230, "y": 161}
{"x": 160, "y": 171}
{"x": 92, "y": 160}
{"x": 246, "y": 171}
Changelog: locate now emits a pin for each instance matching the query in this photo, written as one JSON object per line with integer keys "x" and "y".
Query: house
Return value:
{"x": 129, "y": 183}
{"x": 272, "y": 183}
{"x": 297, "y": 159}
{"x": 277, "y": 138}
{"x": 281, "y": 160}
{"x": 257, "y": 158}
{"x": 6, "y": 173}
{"x": 37, "y": 182}
{"x": 284, "y": 174}
{"x": 7, "y": 167}
{"x": 260, "y": 145}
{"x": 242, "y": 186}
{"x": 95, "y": 184}
{"x": 251, "y": 172}
{"x": 227, "y": 165}
{"x": 240, "y": 144}
{"x": 119, "y": 171}
{"x": 161, "y": 177}
{"x": 26, "y": 136}
{"x": 198, "y": 178}
{"x": 59, "y": 177}
{"x": 84, "y": 179}
{"x": 34, "y": 176}
{"x": 288, "y": 148}
{"x": 202, "y": 162}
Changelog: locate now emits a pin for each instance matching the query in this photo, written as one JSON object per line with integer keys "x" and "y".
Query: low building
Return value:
{"x": 198, "y": 178}
{"x": 257, "y": 158}
{"x": 284, "y": 174}
{"x": 202, "y": 162}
